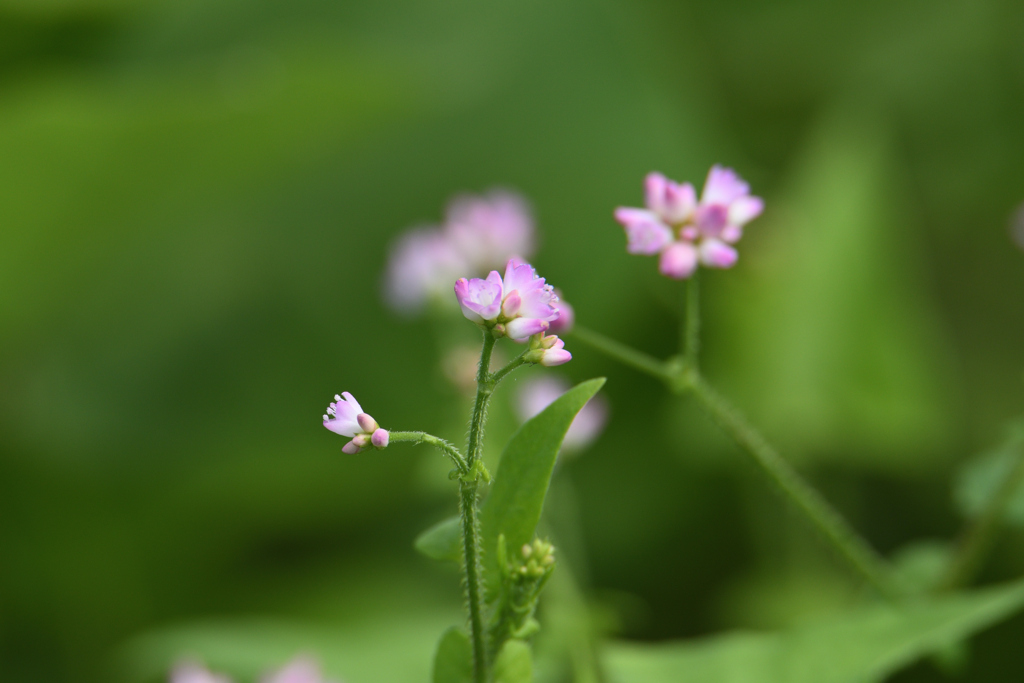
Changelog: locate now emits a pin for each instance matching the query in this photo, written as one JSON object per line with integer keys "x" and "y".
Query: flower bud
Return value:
{"x": 361, "y": 440}
{"x": 350, "y": 448}
{"x": 380, "y": 438}
{"x": 367, "y": 423}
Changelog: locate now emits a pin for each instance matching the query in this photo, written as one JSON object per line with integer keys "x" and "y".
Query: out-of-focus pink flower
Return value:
{"x": 480, "y": 233}
{"x": 685, "y": 232}
{"x": 537, "y": 393}
{"x": 566, "y": 316}
{"x": 488, "y": 230}
{"x": 192, "y": 672}
{"x": 520, "y": 305}
{"x": 299, "y": 670}
{"x": 422, "y": 266}
{"x": 346, "y": 417}
{"x": 1017, "y": 226}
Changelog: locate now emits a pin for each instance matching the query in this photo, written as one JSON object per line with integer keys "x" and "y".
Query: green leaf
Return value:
{"x": 514, "y": 505}
{"x": 982, "y": 477}
{"x": 442, "y": 541}
{"x": 865, "y": 644}
{"x": 453, "y": 662}
{"x": 514, "y": 663}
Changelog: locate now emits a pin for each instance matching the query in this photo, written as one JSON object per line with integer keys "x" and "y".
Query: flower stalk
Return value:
{"x": 682, "y": 376}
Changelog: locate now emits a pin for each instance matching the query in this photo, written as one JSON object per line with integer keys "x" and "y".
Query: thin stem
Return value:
{"x": 515, "y": 363}
{"x": 472, "y": 567}
{"x": 979, "y": 538}
{"x": 473, "y": 577}
{"x": 626, "y": 355}
{"x": 691, "y": 324}
{"x": 830, "y": 523}
{"x": 445, "y": 447}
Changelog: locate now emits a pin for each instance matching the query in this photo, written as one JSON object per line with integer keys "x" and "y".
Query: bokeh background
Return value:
{"x": 196, "y": 203}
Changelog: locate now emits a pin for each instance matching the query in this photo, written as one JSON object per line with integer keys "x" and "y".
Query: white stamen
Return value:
{"x": 337, "y": 397}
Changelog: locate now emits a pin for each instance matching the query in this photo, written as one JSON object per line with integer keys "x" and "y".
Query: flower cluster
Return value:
{"x": 479, "y": 233}
{"x": 299, "y": 670}
{"x": 686, "y": 232}
{"x": 518, "y": 305}
{"x": 346, "y": 417}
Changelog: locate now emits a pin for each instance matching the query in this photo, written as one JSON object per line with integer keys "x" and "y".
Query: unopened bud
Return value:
{"x": 527, "y": 551}
{"x": 361, "y": 440}
{"x": 351, "y": 448}
{"x": 380, "y": 438}
{"x": 367, "y": 423}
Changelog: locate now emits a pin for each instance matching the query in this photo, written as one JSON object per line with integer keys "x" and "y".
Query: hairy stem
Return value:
{"x": 854, "y": 549}
{"x": 468, "y": 502}
{"x": 978, "y": 539}
{"x": 445, "y": 447}
{"x": 473, "y": 576}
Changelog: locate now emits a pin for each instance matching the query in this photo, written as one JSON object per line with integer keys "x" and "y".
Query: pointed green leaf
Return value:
{"x": 453, "y": 662}
{"x": 982, "y": 478}
{"x": 524, "y": 472}
{"x": 863, "y": 645}
{"x": 514, "y": 663}
{"x": 442, "y": 541}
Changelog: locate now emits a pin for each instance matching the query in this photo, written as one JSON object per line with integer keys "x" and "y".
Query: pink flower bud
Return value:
{"x": 350, "y": 448}
{"x": 553, "y": 357}
{"x": 380, "y": 438}
{"x": 366, "y": 423}
{"x": 361, "y": 440}
{"x": 511, "y": 305}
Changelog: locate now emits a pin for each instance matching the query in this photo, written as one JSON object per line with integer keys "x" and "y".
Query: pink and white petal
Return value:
{"x": 731, "y": 234}
{"x": 351, "y": 400}
{"x": 647, "y": 236}
{"x": 566, "y": 317}
{"x": 723, "y": 186}
{"x": 680, "y": 202}
{"x": 745, "y": 209}
{"x": 523, "y": 328}
{"x": 540, "y": 304}
{"x": 655, "y": 186}
{"x": 343, "y": 427}
{"x": 521, "y": 276}
{"x": 462, "y": 294}
{"x": 711, "y": 219}
{"x": 678, "y": 260}
{"x": 717, "y": 254}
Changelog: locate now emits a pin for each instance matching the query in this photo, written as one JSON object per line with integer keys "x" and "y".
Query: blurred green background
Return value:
{"x": 196, "y": 202}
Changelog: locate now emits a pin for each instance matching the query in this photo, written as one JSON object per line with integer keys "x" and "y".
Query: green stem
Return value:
{"x": 445, "y": 447}
{"x": 515, "y": 363}
{"x": 977, "y": 541}
{"x": 626, "y": 355}
{"x": 806, "y": 498}
{"x": 472, "y": 567}
{"x": 473, "y": 575}
{"x": 691, "y": 324}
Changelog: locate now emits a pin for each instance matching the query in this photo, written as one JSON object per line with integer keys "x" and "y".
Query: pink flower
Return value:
{"x": 488, "y": 230}
{"x": 480, "y": 233}
{"x": 538, "y": 393}
{"x": 299, "y": 670}
{"x": 519, "y": 305}
{"x": 191, "y": 672}
{"x": 566, "y": 316}
{"x": 346, "y": 417}
{"x": 685, "y": 232}
{"x": 422, "y": 265}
